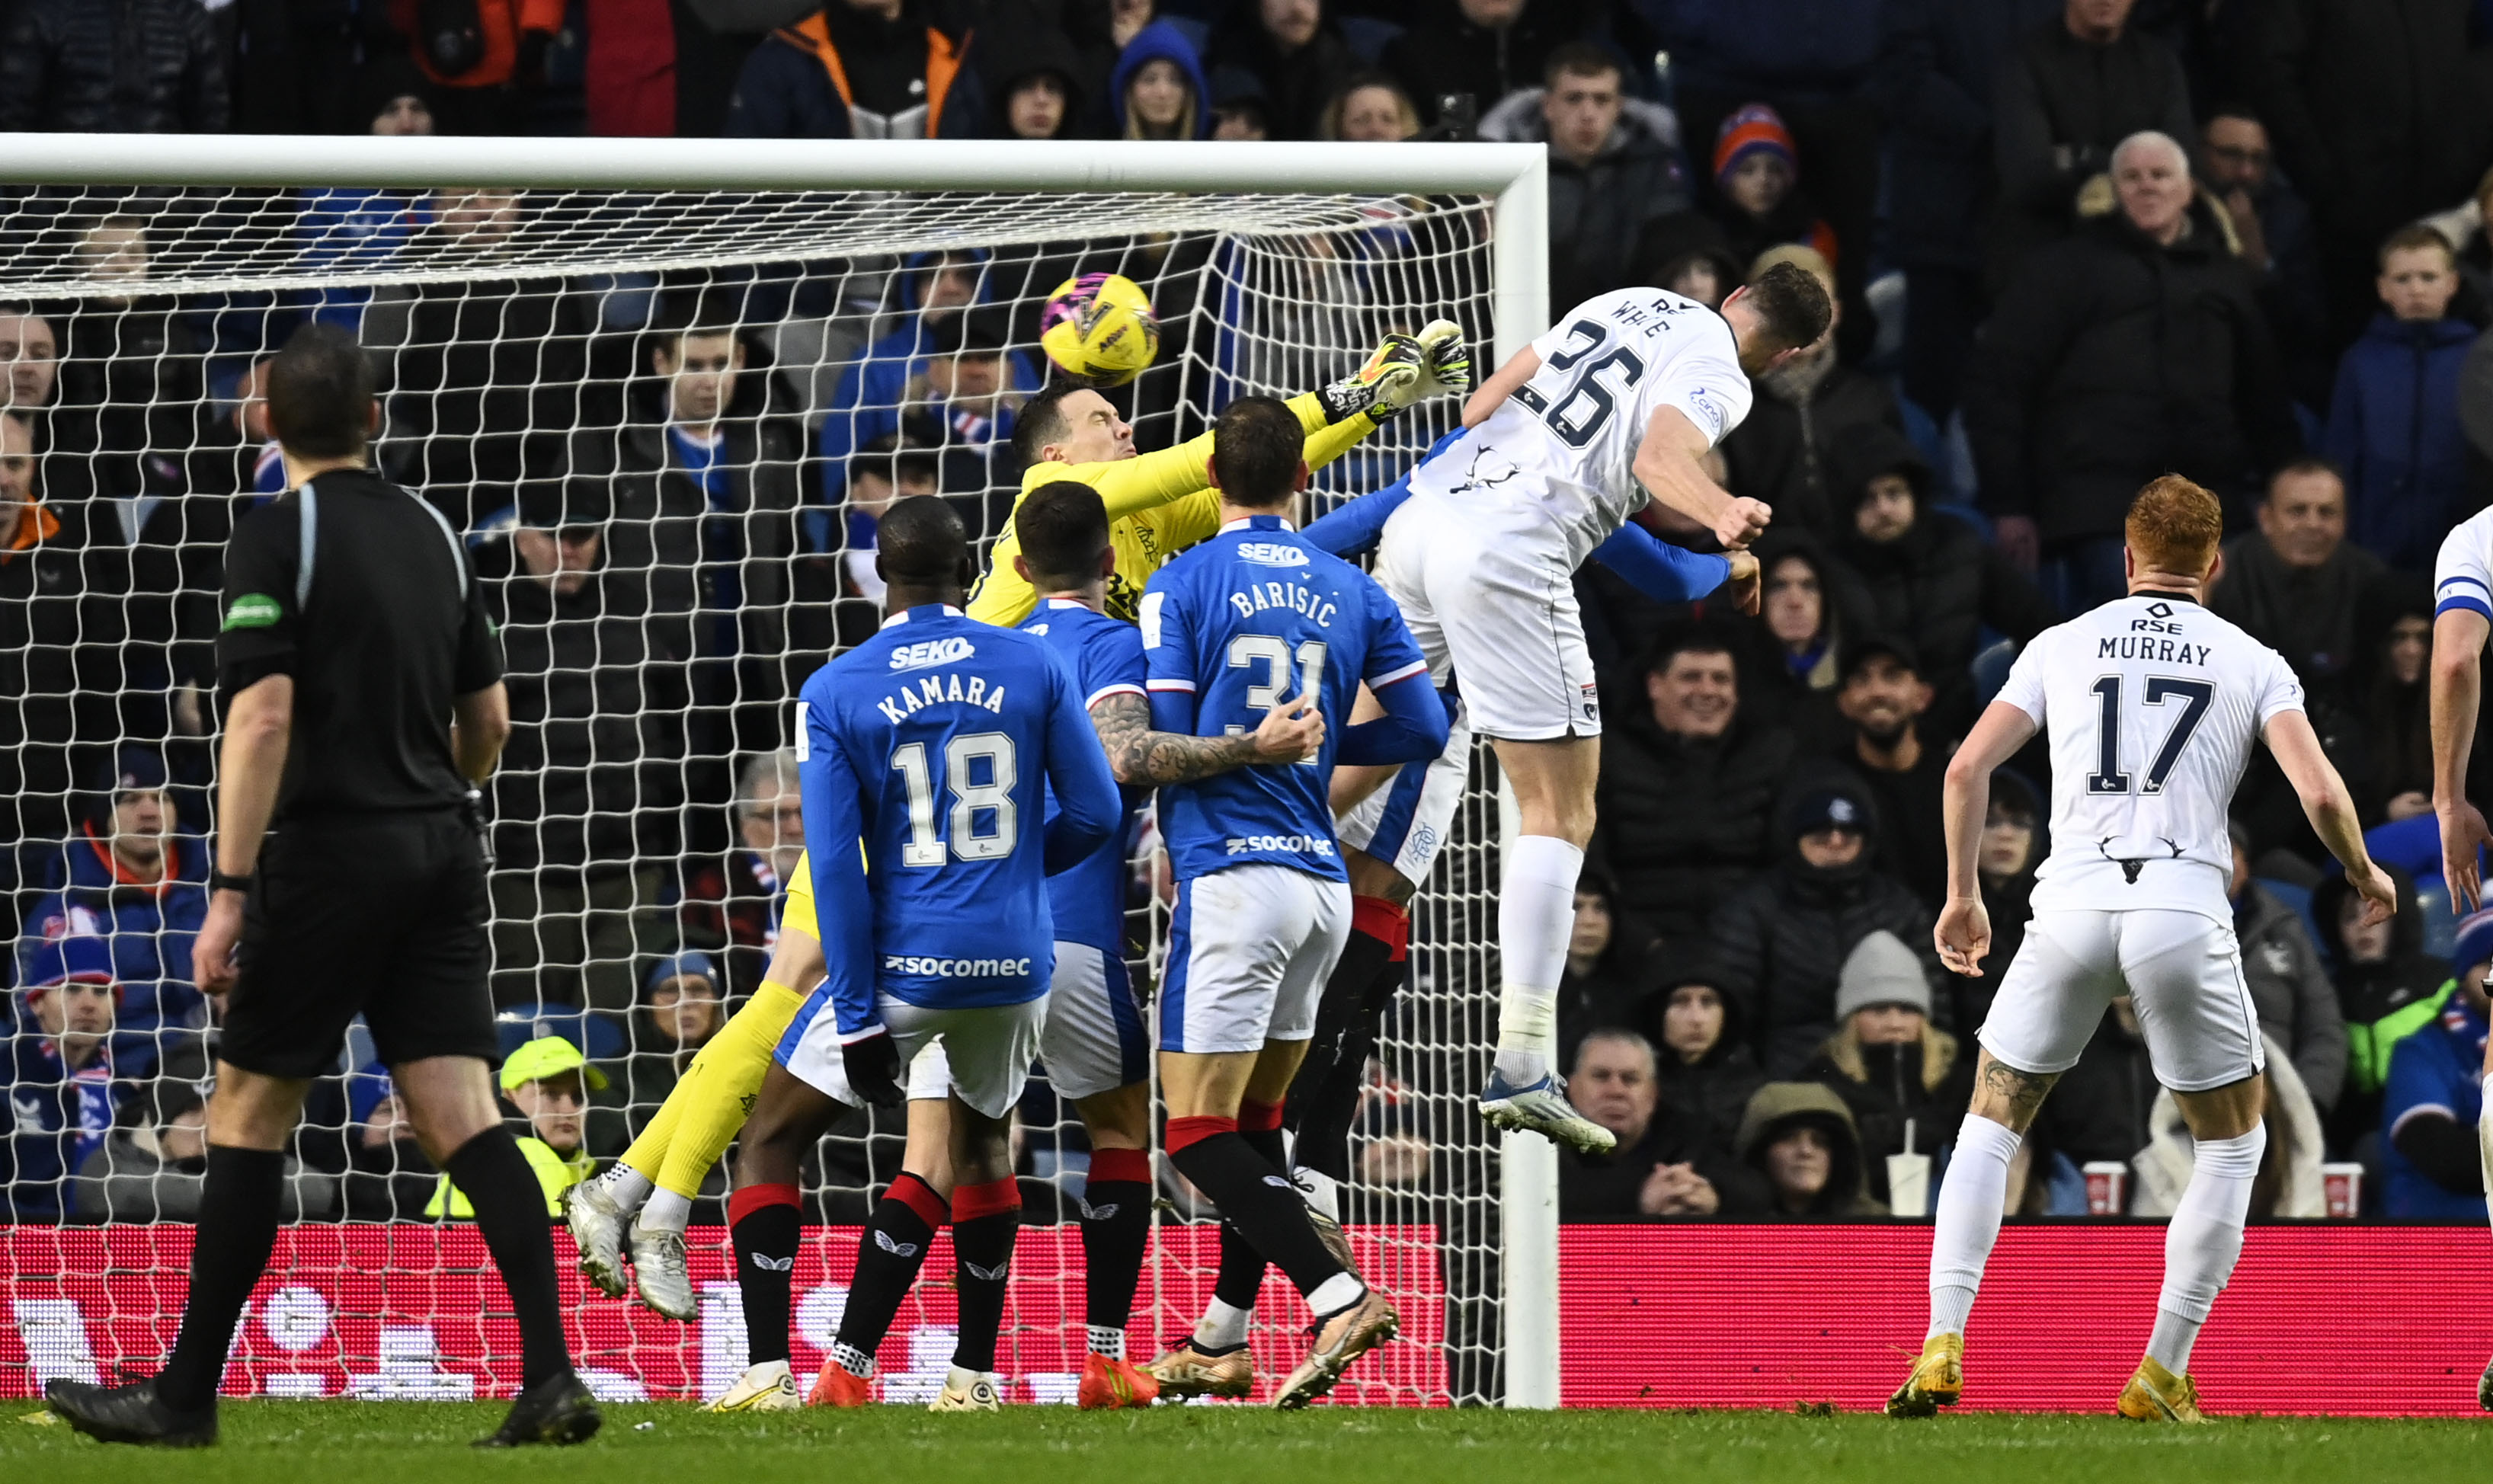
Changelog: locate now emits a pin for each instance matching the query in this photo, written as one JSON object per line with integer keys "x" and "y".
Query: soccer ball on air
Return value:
{"x": 1100, "y": 329}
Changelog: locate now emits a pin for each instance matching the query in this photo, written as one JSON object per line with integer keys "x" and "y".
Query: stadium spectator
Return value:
{"x": 2272, "y": 222}
{"x": 128, "y": 877}
{"x": 1903, "y": 1080}
{"x": 2387, "y": 987}
{"x": 30, "y": 349}
{"x": 887, "y": 472}
{"x": 2015, "y": 838}
{"x": 153, "y": 1165}
{"x": 396, "y": 100}
{"x": 586, "y": 797}
{"x": 2132, "y": 348}
{"x": 1706, "y": 1071}
{"x": 1783, "y": 939}
{"x": 68, "y": 1075}
{"x": 2386, "y": 686}
{"x": 59, "y": 626}
{"x": 1157, "y": 90}
{"x": 1614, "y": 166}
{"x": 1609, "y": 963}
{"x": 961, "y": 397}
{"x": 1037, "y": 92}
{"x": 1885, "y": 699}
{"x": 2294, "y": 584}
{"x": 1296, "y": 50}
{"x": 489, "y": 373}
{"x": 1689, "y": 253}
{"x": 485, "y": 61}
{"x": 2379, "y": 114}
{"x": 1809, "y": 607}
{"x": 1784, "y": 452}
{"x": 1800, "y": 1137}
{"x": 1659, "y": 1167}
{"x": 387, "y": 1176}
{"x": 2393, "y": 417}
{"x": 1688, "y": 789}
{"x": 134, "y": 409}
{"x": 1937, "y": 66}
{"x": 1812, "y": 63}
{"x": 1480, "y": 49}
{"x": 1929, "y": 577}
{"x": 1239, "y": 108}
{"x": 2470, "y": 229}
{"x": 548, "y": 1082}
{"x": 732, "y": 904}
{"x": 1757, "y": 197}
{"x": 142, "y": 67}
{"x": 862, "y": 70}
{"x": 682, "y": 1005}
{"x": 2290, "y": 1183}
{"x": 2430, "y": 1162}
{"x": 1372, "y": 109}
{"x": 934, "y": 290}
{"x": 2290, "y": 989}
{"x": 2075, "y": 88}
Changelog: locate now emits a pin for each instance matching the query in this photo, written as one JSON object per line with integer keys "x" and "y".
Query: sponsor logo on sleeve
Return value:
{"x": 252, "y": 610}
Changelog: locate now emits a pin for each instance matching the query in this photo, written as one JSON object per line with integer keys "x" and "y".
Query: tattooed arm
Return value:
{"x": 1142, "y": 758}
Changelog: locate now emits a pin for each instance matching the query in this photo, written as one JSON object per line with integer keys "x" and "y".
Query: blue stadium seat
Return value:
{"x": 597, "y": 1037}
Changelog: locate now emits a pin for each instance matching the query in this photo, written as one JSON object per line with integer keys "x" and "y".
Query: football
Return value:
{"x": 1100, "y": 329}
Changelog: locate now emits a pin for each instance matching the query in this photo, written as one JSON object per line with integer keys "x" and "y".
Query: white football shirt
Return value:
{"x": 1557, "y": 458}
{"x": 2153, "y": 704}
{"x": 2462, "y": 576}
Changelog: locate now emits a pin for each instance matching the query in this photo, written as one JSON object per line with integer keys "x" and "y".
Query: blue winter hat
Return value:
{"x": 691, "y": 963}
{"x": 366, "y": 1087}
{"x": 136, "y": 770}
{"x": 2474, "y": 942}
{"x": 80, "y": 959}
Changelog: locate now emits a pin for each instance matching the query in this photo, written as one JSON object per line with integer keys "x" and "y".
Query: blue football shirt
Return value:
{"x": 1107, "y": 657}
{"x": 1231, "y": 628}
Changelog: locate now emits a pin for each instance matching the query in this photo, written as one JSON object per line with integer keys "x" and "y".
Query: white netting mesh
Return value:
{"x": 886, "y": 337}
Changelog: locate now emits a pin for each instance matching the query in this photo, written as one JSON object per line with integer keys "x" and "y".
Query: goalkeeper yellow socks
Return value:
{"x": 708, "y": 1107}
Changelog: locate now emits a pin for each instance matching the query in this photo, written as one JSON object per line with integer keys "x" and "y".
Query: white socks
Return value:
{"x": 1335, "y": 1294}
{"x": 628, "y": 1186}
{"x": 2484, "y": 1133}
{"x": 2203, "y": 1242}
{"x": 665, "y": 1211}
{"x": 1972, "y": 1198}
{"x": 1223, "y": 1327}
{"x": 1536, "y": 915}
{"x": 1323, "y": 1195}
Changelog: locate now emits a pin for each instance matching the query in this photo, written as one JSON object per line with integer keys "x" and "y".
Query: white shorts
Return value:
{"x": 1406, "y": 823}
{"x": 2183, "y": 971}
{"x": 1093, "y": 1041}
{"x": 988, "y": 1039}
{"x": 1250, "y": 950}
{"x": 1494, "y": 611}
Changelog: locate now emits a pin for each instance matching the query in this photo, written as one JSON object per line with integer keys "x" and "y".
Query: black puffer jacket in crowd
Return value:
{"x": 62, "y": 625}
{"x": 1925, "y": 1084}
{"x": 2112, "y": 360}
{"x": 1783, "y": 939}
{"x": 112, "y": 66}
{"x": 591, "y": 776}
{"x": 489, "y": 383}
{"x": 1785, "y": 451}
{"x": 1711, "y": 1093}
{"x": 1686, "y": 820}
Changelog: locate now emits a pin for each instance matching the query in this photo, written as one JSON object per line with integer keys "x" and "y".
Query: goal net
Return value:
{"x": 665, "y": 422}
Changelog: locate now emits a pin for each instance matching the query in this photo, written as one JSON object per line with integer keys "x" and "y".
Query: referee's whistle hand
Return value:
{"x": 212, "y": 952}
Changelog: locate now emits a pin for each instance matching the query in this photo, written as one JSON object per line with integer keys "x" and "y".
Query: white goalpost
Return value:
{"x": 517, "y": 296}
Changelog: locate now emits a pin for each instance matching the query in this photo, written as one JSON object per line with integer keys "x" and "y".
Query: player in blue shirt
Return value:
{"x": 1249, "y": 632}
{"x": 939, "y": 744}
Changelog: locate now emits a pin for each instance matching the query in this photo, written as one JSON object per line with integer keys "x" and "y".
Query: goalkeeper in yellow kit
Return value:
{"x": 1158, "y": 504}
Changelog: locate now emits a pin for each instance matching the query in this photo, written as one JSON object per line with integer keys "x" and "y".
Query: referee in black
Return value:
{"x": 363, "y": 685}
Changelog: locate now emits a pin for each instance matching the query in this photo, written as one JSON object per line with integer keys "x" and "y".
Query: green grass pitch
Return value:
{"x": 407, "y": 1442}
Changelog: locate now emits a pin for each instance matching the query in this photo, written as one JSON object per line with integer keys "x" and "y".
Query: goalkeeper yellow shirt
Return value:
{"x": 1158, "y": 505}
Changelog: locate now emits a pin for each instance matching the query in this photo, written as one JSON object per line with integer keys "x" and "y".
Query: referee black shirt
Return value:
{"x": 363, "y": 593}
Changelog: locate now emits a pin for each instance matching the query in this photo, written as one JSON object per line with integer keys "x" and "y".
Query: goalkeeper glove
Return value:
{"x": 871, "y": 1062}
{"x": 1387, "y": 384}
{"x": 1448, "y": 367}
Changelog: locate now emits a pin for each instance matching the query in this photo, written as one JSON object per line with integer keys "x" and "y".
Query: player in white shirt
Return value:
{"x": 2462, "y": 615}
{"x": 2153, "y": 704}
{"x": 1624, "y": 395}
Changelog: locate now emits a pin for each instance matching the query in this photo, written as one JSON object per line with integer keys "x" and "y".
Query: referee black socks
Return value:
{"x": 511, "y": 1216}
{"x": 238, "y": 1209}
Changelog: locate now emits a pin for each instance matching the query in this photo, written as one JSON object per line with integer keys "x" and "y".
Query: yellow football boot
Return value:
{"x": 1936, "y": 1382}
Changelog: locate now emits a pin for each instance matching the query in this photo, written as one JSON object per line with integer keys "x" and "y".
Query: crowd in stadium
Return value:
{"x": 2279, "y": 286}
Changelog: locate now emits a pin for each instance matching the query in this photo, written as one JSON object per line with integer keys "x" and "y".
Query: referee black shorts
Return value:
{"x": 382, "y": 915}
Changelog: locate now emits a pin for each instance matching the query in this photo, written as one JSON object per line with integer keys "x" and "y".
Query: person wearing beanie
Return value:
{"x": 130, "y": 877}
{"x": 69, "y": 1076}
{"x": 2432, "y": 1159}
{"x": 2389, "y": 986}
{"x": 1905, "y": 1080}
{"x": 1783, "y": 938}
{"x": 1756, "y": 188}
{"x": 1705, "y": 1070}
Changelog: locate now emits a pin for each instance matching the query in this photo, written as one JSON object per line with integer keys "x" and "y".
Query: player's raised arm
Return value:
{"x": 1671, "y": 465}
{"x": 2330, "y": 808}
{"x": 1520, "y": 368}
{"x": 1963, "y": 934}
{"x": 2458, "y": 632}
